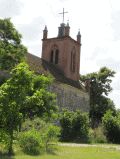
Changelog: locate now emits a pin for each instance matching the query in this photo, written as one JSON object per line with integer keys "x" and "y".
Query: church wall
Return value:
{"x": 73, "y": 75}
{"x": 47, "y": 47}
{"x": 65, "y": 46}
{"x": 70, "y": 97}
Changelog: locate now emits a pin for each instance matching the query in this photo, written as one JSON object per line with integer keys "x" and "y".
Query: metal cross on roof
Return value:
{"x": 63, "y": 14}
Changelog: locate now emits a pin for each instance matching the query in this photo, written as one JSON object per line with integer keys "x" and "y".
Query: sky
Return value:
{"x": 98, "y": 21}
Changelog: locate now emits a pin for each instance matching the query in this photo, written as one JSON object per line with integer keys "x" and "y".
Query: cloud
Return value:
{"x": 110, "y": 63}
{"x": 33, "y": 30}
{"x": 10, "y": 8}
{"x": 115, "y": 97}
{"x": 32, "y": 34}
{"x": 116, "y": 83}
{"x": 116, "y": 24}
{"x": 63, "y": 0}
{"x": 98, "y": 53}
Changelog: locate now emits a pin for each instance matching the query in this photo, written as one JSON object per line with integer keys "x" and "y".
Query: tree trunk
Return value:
{"x": 10, "y": 148}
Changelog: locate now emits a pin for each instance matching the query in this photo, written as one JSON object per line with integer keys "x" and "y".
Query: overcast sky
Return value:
{"x": 98, "y": 21}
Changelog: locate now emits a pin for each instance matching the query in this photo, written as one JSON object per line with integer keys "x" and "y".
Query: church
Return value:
{"x": 61, "y": 59}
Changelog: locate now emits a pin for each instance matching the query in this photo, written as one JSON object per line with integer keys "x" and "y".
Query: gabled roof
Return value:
{"x": 41, "y": 66}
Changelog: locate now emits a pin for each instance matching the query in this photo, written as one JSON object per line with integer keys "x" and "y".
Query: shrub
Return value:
{"x": 97, "y": 135}
{"x": 31, "y": 142}
{"x": 80, "y": 126}
{"x": 111, "y": 123}
{"x": 74, "y": 126}
{"x": 36, "y": 123}
{"x": 50, "y": 136}
{"x": 46, "y": 132}
{"x": 66, "y": 125}
{"x": 4, "y": 139}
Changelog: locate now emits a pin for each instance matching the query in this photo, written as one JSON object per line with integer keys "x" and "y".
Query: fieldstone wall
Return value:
{"x": 70, "y": 97}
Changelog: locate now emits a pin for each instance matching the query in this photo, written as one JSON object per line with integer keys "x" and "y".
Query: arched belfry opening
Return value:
{"x": 54, "y": 55}
{"x": 73, "y": 60}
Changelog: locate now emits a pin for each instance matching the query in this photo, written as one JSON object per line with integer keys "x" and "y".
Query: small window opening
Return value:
{"x": 51, "y": 57}
{"x": 56, "y": 56}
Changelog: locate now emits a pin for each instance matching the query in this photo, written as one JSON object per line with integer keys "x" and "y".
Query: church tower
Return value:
{"x": 61, "y": 59}
{"x": 63, "y": 51}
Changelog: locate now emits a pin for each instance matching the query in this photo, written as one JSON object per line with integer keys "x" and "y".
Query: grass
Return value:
{"x": 67, "y": 152}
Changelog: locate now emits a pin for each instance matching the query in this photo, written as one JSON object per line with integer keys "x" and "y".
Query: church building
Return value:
{"x": 61, "y": 59}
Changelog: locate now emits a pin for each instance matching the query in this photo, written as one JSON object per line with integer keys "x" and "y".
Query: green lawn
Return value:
{"x": 66, "y": 152}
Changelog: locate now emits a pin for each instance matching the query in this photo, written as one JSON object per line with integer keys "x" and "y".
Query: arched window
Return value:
{"x": 54, "y": 55}
{"x": 73, "y": 61}
{"x": 51, "y": 56}
{"x": 73, "y": 69}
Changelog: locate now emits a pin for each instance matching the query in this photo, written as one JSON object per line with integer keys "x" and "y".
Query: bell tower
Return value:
{"x": 62, "y": 51}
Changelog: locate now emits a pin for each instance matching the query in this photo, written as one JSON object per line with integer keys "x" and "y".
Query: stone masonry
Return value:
{"x": 70, "y": 97}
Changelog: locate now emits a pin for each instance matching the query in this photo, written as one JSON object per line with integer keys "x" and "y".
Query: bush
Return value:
{"x": 111, "y": 123}
{"x": 97, "y": 135}
{"x": 46, "y": 132}
{"x": 4, "y": 139}
{"x": 80, "y": 126}
{"x": 74, "y": 126}
{"x": 66, "y": 125}
{"x": 31, "y": 142}
{"x": 50, "y": 136}
{"x": 35, "y": 123}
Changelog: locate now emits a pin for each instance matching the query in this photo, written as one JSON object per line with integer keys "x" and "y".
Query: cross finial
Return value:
{"x": 63, "y": 14}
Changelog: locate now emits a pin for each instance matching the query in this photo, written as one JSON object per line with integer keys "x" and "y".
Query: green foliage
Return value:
{"x": 4, "y": 138}
{"x": 31, "y": 142}
{"x": 97, "y": 135}
{"x": 97, "y": 111}
{"x": 37, "y": 123}
{"x": 66, "y": 125}
{"x": 43, "y": 102}
{"x": 99, "y": 88}
{"x": 111, "y": 123}
{"x": 48, "y": 132}
{"x": 2, "y": 79}
{"x": 74, "y": 126}
{"x": 12, "y": 51}
{"x": 12, "y": 97}
{"x": 20, "y": 99}
{"x": 42, "y": 81}
{"x": 50, "y": 136}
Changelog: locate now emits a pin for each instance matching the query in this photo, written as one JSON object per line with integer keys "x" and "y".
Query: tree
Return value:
{"x": 99, "y": 89}
{"x": 12, "y": 51}
{"x": 21, "y": 98}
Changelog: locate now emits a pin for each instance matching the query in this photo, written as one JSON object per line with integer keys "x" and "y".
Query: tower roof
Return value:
{"x": 45, "y": 27}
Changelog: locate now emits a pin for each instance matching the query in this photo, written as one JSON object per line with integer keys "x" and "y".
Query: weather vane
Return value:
{"x": 63, "y": 13}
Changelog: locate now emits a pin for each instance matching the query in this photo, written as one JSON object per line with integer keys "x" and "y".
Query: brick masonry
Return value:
{"x": 65, "y": 44}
